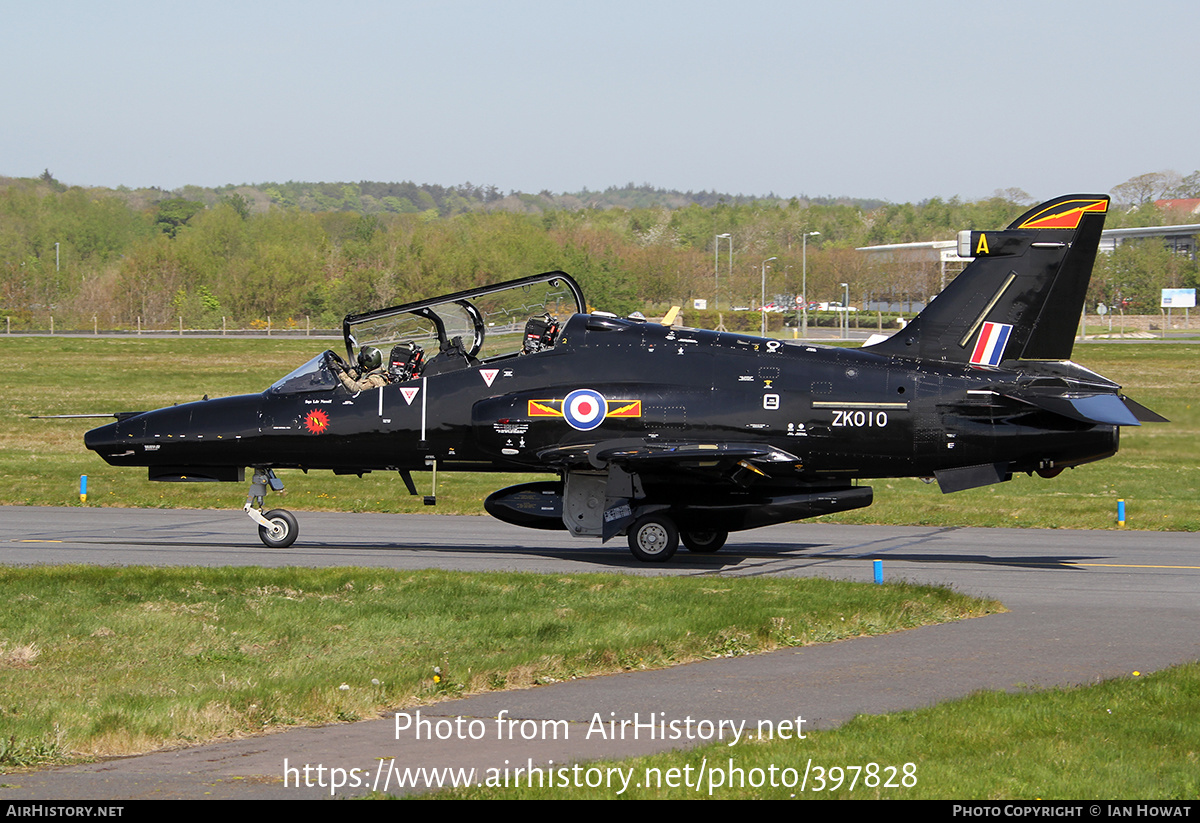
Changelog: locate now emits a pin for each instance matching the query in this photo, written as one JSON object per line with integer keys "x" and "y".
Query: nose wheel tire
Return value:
{"x": 704, "y": 541}
{"x": 653, "y": 539}
{"x": 283, "y": 532}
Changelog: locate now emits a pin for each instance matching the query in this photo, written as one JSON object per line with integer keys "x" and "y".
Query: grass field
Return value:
{"x": 99, "y": 661}
{"x": 1133, "y": 738}
{"x": 1156, "y": 471}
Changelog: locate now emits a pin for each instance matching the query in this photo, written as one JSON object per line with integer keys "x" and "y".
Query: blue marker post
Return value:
{"x": 83, "y": 488}
{"x": 1121, "y": 514}
{"x": 878, "y": 564}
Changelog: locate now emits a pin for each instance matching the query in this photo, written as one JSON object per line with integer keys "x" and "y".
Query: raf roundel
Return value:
{"x": 584, "y": 409}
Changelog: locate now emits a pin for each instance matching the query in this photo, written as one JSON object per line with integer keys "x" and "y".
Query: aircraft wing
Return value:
{"x": 684, "y": 454}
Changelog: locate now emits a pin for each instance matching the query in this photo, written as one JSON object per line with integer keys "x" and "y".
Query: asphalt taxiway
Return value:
{"x": 1083, "y": 606}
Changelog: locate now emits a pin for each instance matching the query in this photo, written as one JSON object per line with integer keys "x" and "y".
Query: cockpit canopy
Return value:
{"x": 490, "y": 321}
{"x": 446, "y": 333}
{"x": 315, "y": 375}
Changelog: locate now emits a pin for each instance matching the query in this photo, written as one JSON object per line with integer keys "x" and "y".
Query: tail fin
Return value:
{"x": 1021, "y": 296}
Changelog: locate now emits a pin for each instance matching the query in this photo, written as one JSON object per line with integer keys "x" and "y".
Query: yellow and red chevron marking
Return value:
{"x": 545, "y": 408}
{"x": 1064, "y": 215}
{"x": 616, "y": 408}
{"x": 625, "y": 408}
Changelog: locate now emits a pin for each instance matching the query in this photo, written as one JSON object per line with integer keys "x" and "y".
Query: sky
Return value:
{"x": 901, "y": 101}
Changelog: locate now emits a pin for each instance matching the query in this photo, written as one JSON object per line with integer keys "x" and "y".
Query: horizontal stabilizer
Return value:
{"x": 1107, "y": 409}
{"x": 1090, "y": 407}
{"x": 1142, "y": 413}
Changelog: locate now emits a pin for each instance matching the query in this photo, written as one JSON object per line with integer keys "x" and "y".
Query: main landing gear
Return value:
{"x": 654, "y": 538}
{"x": 277, "y": 528}
{"x": 704, "y": 541}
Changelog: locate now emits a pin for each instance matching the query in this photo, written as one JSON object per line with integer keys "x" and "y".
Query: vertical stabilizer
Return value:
{"x": 1021, "y": 296}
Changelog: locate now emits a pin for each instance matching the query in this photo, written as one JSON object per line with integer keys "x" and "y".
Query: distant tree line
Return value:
{"x": 319, "y": 251}
{"x": 1157, "y": 185}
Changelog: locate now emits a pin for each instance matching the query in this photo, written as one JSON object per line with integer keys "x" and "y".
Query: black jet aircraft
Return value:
{"x": 666, "y": 434}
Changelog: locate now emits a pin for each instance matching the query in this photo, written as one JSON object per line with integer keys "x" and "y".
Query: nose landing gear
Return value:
{"x": 277, "y": 528}
{"x": 283, "y": 530}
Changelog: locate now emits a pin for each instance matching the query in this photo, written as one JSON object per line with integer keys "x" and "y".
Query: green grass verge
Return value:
{"x": 97, "y": 661}
{"x": 1156, "y": 472}
{"x": 1131, "y": 738}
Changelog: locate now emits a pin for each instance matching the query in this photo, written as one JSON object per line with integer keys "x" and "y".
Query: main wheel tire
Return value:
{"x": 284, "y": 532}
{"x": 704, "y": 541}
{"x": 653, "y": 539}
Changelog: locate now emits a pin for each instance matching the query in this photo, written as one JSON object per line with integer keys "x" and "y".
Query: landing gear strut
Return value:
{"x": 277, "y": 528}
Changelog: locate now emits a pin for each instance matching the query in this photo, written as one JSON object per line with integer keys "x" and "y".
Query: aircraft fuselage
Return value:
{"x": 844, "y": 413}
{"x": 674, "y": 434}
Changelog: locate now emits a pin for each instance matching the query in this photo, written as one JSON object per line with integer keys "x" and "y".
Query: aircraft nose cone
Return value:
{"x": 201, "y": 433}
{"x": 100, "y": 438}
{"x": 113, "y": 440}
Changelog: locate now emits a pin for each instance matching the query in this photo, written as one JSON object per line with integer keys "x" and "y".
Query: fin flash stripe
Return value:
{"x": 1064, "y": 215}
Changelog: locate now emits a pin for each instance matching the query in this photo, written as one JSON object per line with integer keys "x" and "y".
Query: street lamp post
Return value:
{"x": 804, "y": 284}
{"x": 729, "y": 276}
{"x": 786, "y": 281}
{"x": 845, "y": 310}
{"x": 763, "y": 299}
{"x": 716, "y": 264}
